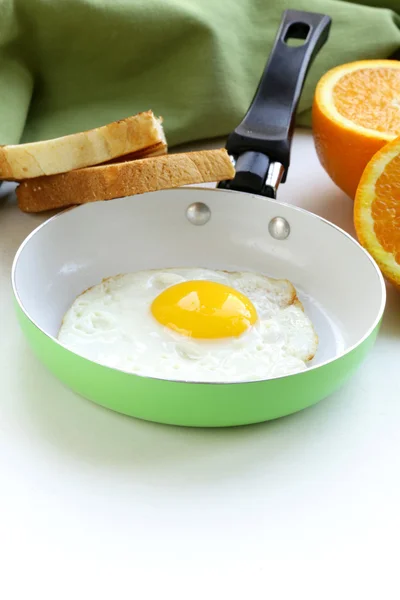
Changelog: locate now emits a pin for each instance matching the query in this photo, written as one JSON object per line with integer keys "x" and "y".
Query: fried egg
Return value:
{"x": 192, "y": 325}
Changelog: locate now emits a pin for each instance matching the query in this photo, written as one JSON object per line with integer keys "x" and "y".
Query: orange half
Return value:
{"x": 356, "y": 111}
{"x": 377, "y": 210}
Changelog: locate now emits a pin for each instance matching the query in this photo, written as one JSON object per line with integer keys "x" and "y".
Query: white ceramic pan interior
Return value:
{"x": 339, "y": 284}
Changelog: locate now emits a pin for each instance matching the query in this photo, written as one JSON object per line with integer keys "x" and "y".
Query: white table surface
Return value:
{"x": 94, "y": 504}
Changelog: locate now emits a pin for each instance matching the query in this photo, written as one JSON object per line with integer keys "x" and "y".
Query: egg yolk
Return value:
{"x": 204, "y": 309}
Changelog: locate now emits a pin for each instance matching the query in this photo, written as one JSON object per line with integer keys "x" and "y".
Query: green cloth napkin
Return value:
{"x": 70, "y": 65}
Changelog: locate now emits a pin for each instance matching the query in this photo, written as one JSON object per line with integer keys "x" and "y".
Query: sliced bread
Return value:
{"x": 137, "y": 134}
{"x": 105, "y": 182}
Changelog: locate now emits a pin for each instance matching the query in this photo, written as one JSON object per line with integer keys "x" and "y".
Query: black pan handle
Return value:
{"x": 267, "y": 127}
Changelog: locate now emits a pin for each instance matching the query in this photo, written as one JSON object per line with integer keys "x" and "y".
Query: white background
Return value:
{"x": 94, "y": 504}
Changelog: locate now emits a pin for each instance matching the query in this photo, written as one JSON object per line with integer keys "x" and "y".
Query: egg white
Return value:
{"x": 112, "y": 324}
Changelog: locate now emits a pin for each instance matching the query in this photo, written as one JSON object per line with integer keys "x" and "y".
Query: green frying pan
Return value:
{"x": 338, "y": 282}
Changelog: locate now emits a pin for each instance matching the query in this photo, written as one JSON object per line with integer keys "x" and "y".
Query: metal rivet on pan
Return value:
{"x": 198, "y": 213}
{"x": 279, "y": 228}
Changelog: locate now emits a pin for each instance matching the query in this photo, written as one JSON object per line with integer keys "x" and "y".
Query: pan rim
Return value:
{"x": 185, "y": 189}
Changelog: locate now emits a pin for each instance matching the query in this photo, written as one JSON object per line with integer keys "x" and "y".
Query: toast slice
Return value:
{"x": 105, "y": 182}
{"x": 137, "y": 134}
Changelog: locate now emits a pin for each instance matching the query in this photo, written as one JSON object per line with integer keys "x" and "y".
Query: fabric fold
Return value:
{"x": 196, "y": 63}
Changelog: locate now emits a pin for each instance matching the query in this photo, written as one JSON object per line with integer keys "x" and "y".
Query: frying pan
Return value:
{"x": 239, "y": 226}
